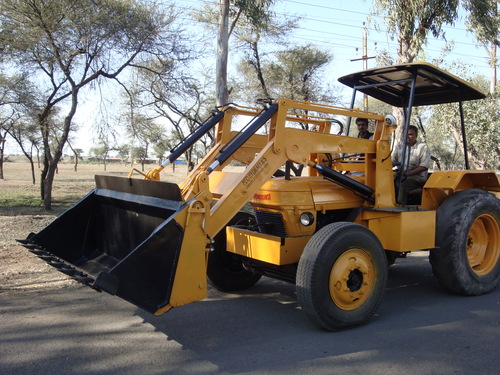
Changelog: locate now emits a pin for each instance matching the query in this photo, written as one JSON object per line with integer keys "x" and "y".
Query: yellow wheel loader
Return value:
{"x": 308, "y": 205}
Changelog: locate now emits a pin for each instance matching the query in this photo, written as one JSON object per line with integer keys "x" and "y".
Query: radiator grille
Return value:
{"x": 271, "y": 223}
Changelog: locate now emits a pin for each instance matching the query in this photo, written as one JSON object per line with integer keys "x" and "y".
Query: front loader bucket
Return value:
{"x": 121, "y": 238}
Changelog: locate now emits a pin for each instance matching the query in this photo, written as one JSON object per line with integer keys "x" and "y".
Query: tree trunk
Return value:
{"x": 32, "y": 164}
{"x": 222, "y": 54}
{"x": 476, "y": 161}
{"x": 406, "y": 54}
{"x": 43, "y": 176}
{"x": 75, "y": 167}
{"x": 493, "y": 68}
{"x": 2, "y": 148}
{"x": 50, "y": 161}
{"x": 47, "y": 184}
{"x": 258, "y": 68}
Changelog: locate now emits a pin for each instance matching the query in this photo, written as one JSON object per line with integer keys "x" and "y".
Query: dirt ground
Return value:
{"x": 20, "y": 270}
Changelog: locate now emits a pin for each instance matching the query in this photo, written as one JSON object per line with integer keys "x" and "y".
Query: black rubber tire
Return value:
{"x": 455, "y": 241}
{"x": 315, "y": 281}
{"x": 225, "y": 270}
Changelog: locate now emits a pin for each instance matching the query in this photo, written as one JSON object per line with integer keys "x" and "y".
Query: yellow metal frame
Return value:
{"x": 264, "y": 247}
{"x": 402, "y": 231}
{"x": 442, "y": 184}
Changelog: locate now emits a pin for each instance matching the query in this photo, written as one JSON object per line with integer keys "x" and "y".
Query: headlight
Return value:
{"x": 390, "y": 120}
{"x": 306, "y": 219}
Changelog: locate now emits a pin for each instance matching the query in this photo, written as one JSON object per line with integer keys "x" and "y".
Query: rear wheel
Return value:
{"x": 341, "y": 276}
{"x": 225, "y": 270}
{"x": 467, "y": 253}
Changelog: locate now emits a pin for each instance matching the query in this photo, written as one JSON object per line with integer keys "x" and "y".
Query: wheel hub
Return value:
{"x": 351, "y": 279}
{"x": 483, "y": 244}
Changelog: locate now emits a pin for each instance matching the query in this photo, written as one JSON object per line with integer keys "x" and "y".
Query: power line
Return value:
{"x": 342, "y": 40}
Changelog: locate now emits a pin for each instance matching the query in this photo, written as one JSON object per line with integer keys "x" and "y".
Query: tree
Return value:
{"x": 293, "y": 73}
{"x": 484, "y": 21}
{"x": 123, "y": 151}
{"x": 187, "y": 117}
{"x": 161, "y": 147}
{"x": 145, "y": 131}
{"x": 77, "y": 152}
{"x": 296, "y": 74}
{"x": 483, "y": 140}
{"x": 230, "y": 12}
{"x": 19, "y": 103}
{"x": 252, "y": 38}
{"x": 9, "y": 100}
{"x": 25, "y": 132}
{"x": 69, "y": 45}
{"x": 140, "y": 153}
{"x": 482, "y": 118}
{"x": 222, "y": 93}
{"x": 100, "y": 152}
{"x": 5, "y": 125}
{"x": 410, "y": 22}
{"x": 163, "y": 93}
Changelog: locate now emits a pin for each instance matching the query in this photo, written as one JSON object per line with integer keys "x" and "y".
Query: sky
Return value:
{"x": 335, "y": 26}
{"x": 338, "y": 25}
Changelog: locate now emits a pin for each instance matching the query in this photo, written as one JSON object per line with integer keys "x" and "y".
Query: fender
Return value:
{"x": 443, "y": 184}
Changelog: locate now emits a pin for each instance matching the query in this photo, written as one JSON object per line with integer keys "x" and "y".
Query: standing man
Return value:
{"x": 416, "y": 165}
{"x": 363, "y": 132}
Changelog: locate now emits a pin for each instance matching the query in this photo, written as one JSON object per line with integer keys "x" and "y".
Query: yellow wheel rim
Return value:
{"x": 483, "y": 244}
{"x": 352, "y": 279}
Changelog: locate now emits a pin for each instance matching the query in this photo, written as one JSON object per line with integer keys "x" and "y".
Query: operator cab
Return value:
{"x": 412, "y": 85}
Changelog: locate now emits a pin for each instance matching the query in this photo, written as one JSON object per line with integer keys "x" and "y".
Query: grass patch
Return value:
{"x": 19, "y": 196}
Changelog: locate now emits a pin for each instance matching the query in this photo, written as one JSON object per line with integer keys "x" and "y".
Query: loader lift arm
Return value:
{"x": 183, "y": 146}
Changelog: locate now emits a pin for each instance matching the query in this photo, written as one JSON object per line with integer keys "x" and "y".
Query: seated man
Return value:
{"x": 414, "y": 171}
{"x": 362, "y": 124}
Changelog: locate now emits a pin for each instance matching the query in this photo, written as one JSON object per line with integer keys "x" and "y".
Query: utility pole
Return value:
{"x": 365, "y": 65}
{"x": 364, "y": 58}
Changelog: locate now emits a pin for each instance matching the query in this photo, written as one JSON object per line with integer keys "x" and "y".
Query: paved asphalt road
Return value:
{"x": 419, "y": 329}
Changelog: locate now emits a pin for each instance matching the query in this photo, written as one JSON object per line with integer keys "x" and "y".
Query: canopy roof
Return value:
{"x": 392, "y": 85}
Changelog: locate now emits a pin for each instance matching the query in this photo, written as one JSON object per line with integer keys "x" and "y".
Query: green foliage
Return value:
{"x": 412, "y": 20}
{"x": 255, "y": 11}
{"x": 99, "y": 152}
{"x": 294, "y": 73}
{"x": 67, "y": 45}
{"x": 484, "y": 20}
{"x": 161, "y": 148}
{"x": 170, "y": 93}
{"x": 251, "y": 12}
{"x": 62, "y": 37}
{"x": 139, "y": 153}
{"x": 123, "y": 151}
{"x": 482, "y": 120}
{"x": 410, "y": 16}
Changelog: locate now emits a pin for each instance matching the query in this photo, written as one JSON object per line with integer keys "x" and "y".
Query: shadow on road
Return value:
{"x": 419, "y": 329}
{"x": 416, "y": 315}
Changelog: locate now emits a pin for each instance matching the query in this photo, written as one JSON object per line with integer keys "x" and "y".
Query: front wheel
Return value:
{"x": 341, "y": 276}
{"x": 466, "y": 259}
{"x": 225, "y": 270}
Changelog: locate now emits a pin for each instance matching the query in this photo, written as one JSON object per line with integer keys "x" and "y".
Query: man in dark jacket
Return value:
{"x": 363, "y": 132}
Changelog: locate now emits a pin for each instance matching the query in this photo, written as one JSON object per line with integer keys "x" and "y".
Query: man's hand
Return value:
{"x": 417, "y": 170}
